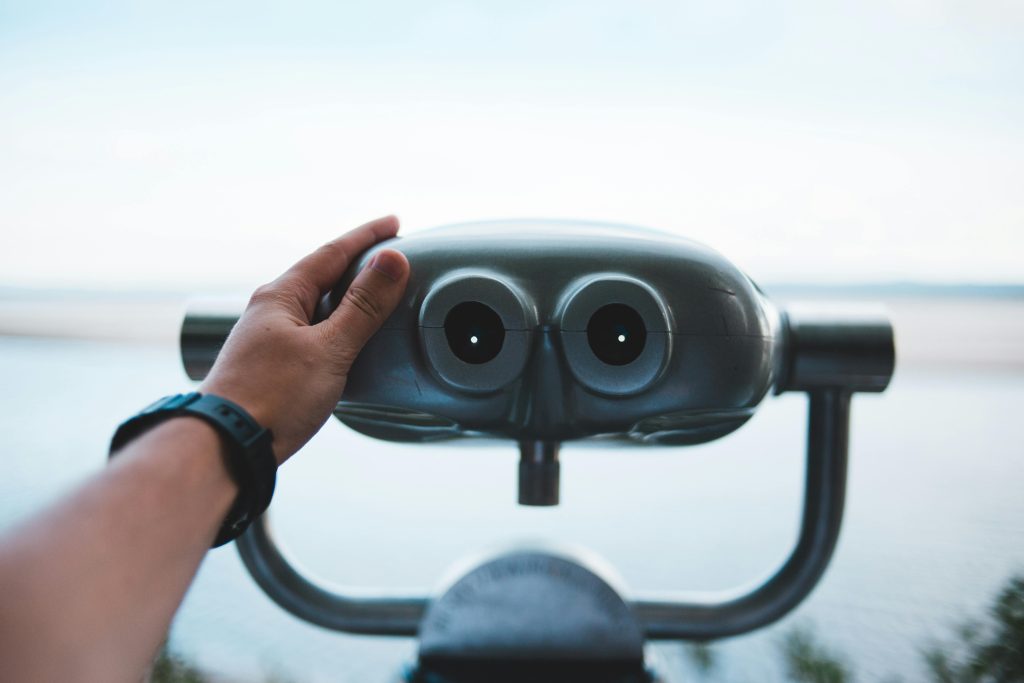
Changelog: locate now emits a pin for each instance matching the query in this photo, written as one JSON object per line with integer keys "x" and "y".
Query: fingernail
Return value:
{"x": 388, "y": 263}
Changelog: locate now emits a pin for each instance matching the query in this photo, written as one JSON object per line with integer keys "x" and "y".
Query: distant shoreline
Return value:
{"x": 784, "y": 290}
{"x": 937, "y": 326}
{"x": 896, "y": 289}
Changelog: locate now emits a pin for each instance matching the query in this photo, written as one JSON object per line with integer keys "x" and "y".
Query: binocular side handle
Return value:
{"x": 824, "y": 497}
{"x": 828, "y": 353}
{"x": 340, "y": 609}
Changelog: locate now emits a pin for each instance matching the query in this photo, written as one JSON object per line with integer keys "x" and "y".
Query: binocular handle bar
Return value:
{"x": 824, "y": 493}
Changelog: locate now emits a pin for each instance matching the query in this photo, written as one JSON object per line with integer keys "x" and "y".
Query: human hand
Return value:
{"x": 288, "y": 373}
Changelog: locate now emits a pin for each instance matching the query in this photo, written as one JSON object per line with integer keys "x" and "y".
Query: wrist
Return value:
{"x": 260, "y": 411}
{"x": 192, "y": 449}
{"x": 243, "y": 444}
{"x": 201, "y": 446}
{"x": 226, "y": 388}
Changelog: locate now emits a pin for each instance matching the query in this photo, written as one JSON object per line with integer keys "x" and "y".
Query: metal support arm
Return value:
{"x": 373, "y": 615}
{"x": 824, "y": 495}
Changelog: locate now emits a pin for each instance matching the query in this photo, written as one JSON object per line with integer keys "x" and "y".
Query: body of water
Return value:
{"x": 934, "y": 522}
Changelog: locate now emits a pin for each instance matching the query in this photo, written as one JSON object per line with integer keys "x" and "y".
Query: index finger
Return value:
{"x": 318, "y": 272}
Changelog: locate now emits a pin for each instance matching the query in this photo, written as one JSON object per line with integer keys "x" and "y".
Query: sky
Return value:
{"x": 192, "y": 146}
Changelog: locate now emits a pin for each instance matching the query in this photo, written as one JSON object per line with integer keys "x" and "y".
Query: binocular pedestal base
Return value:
{"x": 531, "y": 615}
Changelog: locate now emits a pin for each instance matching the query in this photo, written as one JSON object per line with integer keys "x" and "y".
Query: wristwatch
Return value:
{"x": 247, "y": 451}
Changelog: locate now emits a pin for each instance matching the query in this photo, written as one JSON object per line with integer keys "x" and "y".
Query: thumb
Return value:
{"x": 369, "y": 300}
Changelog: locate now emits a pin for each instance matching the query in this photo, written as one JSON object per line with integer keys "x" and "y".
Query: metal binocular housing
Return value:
{"x": 541, "y": 332}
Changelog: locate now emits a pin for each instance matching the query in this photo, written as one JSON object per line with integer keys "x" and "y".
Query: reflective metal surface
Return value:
{"x": 824, "y": 496}
{"x": 547, "y": 605}
{"x": 539, "y": 473}
{"x": 730, "y": 345}
{"x": 208, "y": 322}
{"x": 828, "y": 346}
{"x": 341, "y": 610}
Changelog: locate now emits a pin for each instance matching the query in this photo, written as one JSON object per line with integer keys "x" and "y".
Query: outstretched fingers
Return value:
{"x": 316, "y": 273}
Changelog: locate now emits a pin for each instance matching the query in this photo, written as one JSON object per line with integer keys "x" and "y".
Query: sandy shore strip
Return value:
{"x": 972, "y": 332}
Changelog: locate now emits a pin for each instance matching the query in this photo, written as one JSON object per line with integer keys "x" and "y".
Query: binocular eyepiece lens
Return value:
{"x": 617, "y": 334}
{"x": 475, "y": 332}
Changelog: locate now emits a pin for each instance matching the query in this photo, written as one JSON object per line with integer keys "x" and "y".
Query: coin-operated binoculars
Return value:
{"x": 546, "y": 332}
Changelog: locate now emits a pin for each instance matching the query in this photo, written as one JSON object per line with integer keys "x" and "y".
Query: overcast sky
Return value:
{"x": 207, "y": 145}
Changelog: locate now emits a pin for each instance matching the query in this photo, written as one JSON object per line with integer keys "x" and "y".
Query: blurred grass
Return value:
{"x": 985, "y": 651}
{"x": 170, "y": 667}
{"x": 988, "y": 651}
{"x": 808, "y": 661}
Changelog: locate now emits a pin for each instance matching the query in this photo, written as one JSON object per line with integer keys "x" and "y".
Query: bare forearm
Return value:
{"x": 90, "y": 585}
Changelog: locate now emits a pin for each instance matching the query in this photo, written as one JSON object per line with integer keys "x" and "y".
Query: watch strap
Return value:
{"x": 248, "y": 453}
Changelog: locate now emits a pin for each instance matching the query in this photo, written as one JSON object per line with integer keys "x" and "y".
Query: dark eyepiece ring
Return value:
{"x": 474, "y": 331}
{"x": 616, "y": 334}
